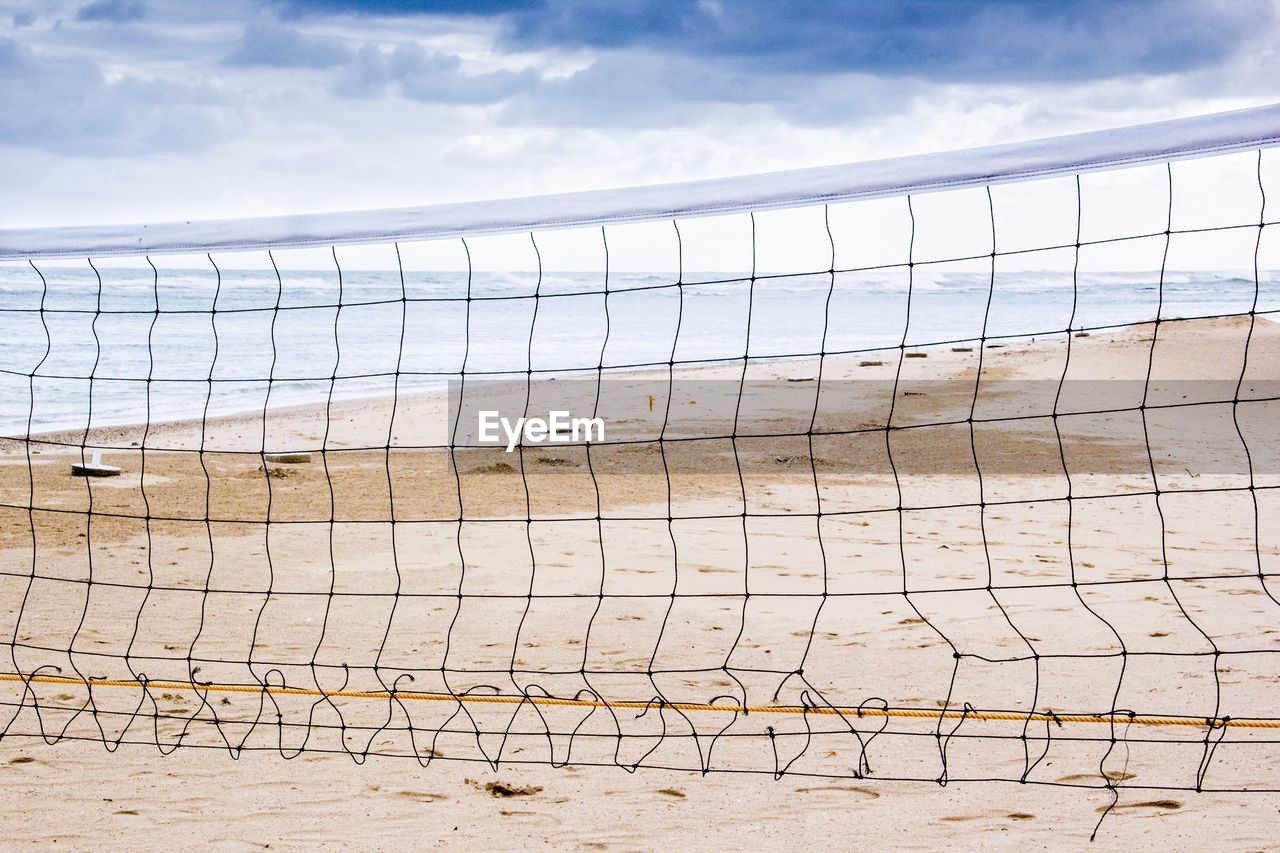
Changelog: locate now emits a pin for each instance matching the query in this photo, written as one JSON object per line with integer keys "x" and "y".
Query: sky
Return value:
{"x": 115, "y": 111}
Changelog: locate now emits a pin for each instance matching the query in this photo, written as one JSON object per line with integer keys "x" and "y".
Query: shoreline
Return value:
{"x": 953, "y": 360}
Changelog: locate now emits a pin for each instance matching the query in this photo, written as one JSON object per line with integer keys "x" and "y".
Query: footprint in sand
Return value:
{"x": 421, "y": 796}
{"x": 1114, "y": 776}
{"x": 1163, "y": 805}
{"x": 502, "y": 789}
{"x": 869, "y": 793}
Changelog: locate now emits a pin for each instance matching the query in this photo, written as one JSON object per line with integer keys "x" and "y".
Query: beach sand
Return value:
{"x": 611, "y": 576}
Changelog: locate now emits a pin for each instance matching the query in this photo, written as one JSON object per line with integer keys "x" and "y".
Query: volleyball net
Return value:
{"x": 950, "y": 468}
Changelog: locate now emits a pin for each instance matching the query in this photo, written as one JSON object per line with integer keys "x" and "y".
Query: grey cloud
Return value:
{"x": 23, "y": 19}
{"x": 620, "y": 89}
{"x": 66, "y": 105}
{"x": 366, "y": 76}
{"x": 636, "y": 89}
{"x": 810, "y": 62}
{"x": 696, "y": 65}
{"x": 427, "y": 77}
{"x": 279, "y": 46}
{"x": 1016, "y": 41}
{"x": 113, "y": 11}
{"x": 639, "y": 89}
{"x": 478, "y": 8}
{"x": 977, "y": 41}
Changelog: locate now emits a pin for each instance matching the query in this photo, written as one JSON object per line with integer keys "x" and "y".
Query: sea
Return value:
{"x": 133, "y": 346}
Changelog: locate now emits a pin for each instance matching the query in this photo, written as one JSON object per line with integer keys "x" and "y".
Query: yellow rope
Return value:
{"x": 409, "y": 695}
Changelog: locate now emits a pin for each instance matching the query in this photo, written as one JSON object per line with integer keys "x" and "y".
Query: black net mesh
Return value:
{"x": 857, "y": 548}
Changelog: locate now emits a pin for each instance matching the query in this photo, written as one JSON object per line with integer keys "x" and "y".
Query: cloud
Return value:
{"x": 476, "y": 8}
{"x": 23, "y": 19}
{"x": 67, "y": 105}
{"x": 652, "y": 63}
{"x": 402, "y": 102}
{"x": 278, "y": 46}
{"x": 639, "y": 89}
{"x": 113, "y": 11}
{"x": 635, "y": 89}
{"x": 428, "y": 77}
{"x": 989, "y": 40}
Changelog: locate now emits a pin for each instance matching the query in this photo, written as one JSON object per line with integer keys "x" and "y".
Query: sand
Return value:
{"x": 510, "y": 603}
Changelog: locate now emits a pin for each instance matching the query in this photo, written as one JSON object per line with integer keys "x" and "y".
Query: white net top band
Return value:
{"x": 1200, "y": 136}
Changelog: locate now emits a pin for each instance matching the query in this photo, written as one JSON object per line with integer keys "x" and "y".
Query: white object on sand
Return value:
{"x": 95, "y": 468}
{"x": 287, "y": 458}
